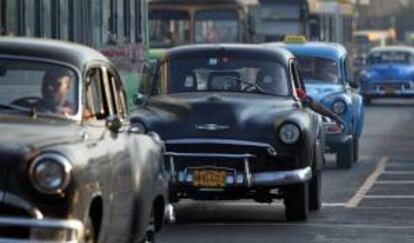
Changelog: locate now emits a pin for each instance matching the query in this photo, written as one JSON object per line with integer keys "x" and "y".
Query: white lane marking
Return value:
{"x": 278, "y": 204}
{"x": 394, "y": 182}
{"x": 389, "y": 197}
{"x": 325, "y": 225}
{"x": 398, "y": 172}
{"x": 369, "y": 182}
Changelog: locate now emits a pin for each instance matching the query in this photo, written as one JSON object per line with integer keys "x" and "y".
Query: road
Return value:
{"x": 372, "y": 202}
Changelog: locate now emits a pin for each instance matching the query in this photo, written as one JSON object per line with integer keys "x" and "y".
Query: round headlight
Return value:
{"x": 50, "y": 173}
{"x": 289, "y": 133}
{"x": 339, "y": 107}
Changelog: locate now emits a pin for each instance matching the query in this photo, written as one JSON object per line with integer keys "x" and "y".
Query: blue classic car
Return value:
{"x": 325, "y": 70}
{"x": 389, "y": 73}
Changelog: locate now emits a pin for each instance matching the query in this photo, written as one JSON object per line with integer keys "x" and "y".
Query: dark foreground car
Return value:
{"x": 70, "y": 170}
{"x": 234, "y": 126}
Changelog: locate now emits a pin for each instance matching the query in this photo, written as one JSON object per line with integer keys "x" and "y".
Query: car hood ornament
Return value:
{"x": 212, "y": 127}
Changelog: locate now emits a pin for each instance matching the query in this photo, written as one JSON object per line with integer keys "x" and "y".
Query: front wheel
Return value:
{"x": 356, "y": 149}
{"x": 315, "y": 191}
{"x": 297, "y": 202}
{"x": 345, "y": 156}
{"x": 150, "y": 231}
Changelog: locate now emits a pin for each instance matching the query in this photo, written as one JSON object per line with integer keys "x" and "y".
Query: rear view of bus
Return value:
{"x": 181, "y": 22}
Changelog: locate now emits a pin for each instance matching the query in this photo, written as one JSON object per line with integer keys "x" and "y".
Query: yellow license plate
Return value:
{"x": 389, "y": 90}
{"x": 209, "y": 178}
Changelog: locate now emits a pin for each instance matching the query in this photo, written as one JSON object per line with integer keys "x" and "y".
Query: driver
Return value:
{"x": 272, "y": 80}
{"x": 56, "y": 87}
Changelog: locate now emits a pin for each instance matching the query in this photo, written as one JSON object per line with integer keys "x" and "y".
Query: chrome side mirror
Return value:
{"x": 114, "y": 123}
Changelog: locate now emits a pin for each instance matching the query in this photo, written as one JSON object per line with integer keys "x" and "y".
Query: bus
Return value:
{"x": 181, "y": 22}
{"x": 318, "y": 20}
{"x": 118, "y": 28}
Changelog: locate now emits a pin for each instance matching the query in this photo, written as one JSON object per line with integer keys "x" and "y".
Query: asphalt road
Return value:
{"x": 372, "y": 202}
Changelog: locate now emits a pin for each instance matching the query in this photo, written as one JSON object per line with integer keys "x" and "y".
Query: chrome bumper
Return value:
{"x": 41, "y": 229}
{"x": 45, "y": 230}
{"x": 245, "y": 179}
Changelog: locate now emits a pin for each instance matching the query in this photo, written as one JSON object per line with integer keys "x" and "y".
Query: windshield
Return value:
{"x": 390, "y": 57}
{"x": 219, "y": 26}
{"x": 47, "y": 88}
{"x": 225, "y": 75}
{"x": 316, "y": 69}
{"x": 169, "y": 28}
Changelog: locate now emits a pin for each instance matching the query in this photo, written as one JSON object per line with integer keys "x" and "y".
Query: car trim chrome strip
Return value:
{"x": 270, "y": 149}
{"x": 211, "y": 155}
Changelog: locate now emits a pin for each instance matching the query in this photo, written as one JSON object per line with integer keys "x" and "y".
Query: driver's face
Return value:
{"x": 62, "y": 89}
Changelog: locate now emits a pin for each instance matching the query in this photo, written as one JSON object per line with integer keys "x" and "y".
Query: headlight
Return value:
{"x": 289, "y": 133}
{"x": 339, "y": 107}
{"x": 50, "y": 173}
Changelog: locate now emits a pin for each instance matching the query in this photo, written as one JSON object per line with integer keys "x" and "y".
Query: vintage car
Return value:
{"x": 71, "y": 169}
{"x": 328, "y": 80}
{"x": 389, "y": 73}
{"x": 234, "y": 126}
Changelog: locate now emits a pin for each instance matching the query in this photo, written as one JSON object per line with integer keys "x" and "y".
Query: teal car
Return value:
{"x": 328, "y": 80}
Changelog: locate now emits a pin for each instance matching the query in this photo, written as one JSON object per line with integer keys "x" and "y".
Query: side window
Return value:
{"x": 96, "y": 97}
{"x": 297, "y": 78}
{"x": 348, "y": 70}
{"x": 117, "y": 94}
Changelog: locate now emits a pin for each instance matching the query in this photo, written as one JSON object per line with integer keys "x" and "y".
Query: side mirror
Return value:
{"x": 140, "y": 98}
{"x": 114, "y": 123}
{"x": 354, "y": 84}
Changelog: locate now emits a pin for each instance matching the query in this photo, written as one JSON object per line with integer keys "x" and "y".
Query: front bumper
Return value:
{"x": 239, "y": 179}
{"x": 43, "y": 230}
{"x": 35, "y": 227}
{"x": 383, "y": 91}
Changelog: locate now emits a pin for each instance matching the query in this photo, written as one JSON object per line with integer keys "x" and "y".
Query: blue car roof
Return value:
{"x": 316, "y": 49}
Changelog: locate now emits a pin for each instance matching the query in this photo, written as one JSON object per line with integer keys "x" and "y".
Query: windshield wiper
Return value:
{"x": 250, "y": 84}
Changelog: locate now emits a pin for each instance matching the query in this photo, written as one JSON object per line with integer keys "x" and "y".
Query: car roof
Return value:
{"x": 393, "y": 48}
{"x": 251, "y": 51}
{"x": 61, "y": 51}
{"x": 316, "y": 49}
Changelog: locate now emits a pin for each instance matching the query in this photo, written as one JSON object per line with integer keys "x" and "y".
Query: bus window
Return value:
{"x": 221, "y": 26}
{"x": 11, "y": 17}
{"x": 138, "y": 23}
{"x": 47, "y": 19}
{"x": 169, "y": 28}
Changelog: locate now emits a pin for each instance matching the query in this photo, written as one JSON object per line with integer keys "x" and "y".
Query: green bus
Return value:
{"x": 118, "y": 28}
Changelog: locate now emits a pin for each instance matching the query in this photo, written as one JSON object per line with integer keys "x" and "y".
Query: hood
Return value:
{"x": 247, "y": 117}
{"x": 389, "y": 72}
{"x": 320, "y": 91}
{"x": 17, "y": 135}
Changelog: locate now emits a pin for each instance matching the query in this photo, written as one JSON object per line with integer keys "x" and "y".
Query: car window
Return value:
{"x": 224, "y": 74}
{"x": 380, "y": 57}
{"x": 97, "y": 98}
{"x": 45, "y": 87}
{"x": 117, "y": 95}
{"x": 319, "y": 70}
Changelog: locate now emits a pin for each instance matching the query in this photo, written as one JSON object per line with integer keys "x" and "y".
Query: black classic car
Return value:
{"x": 235, "y": 127}
{"x": 71, "y": 168}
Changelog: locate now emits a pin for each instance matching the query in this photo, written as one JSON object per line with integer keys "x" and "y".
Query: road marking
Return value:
{"x": 325, "y": 225}
{"x": 369, "y": 182}
{"x": 394, "y": 182}
{"x": 278, "y": 204}
{"x": 389, "y": 197}
{"x": 398, "y": 172}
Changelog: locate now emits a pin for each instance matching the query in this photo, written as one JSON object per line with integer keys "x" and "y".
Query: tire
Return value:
{"x": 150, "y": 232}
{"x": 297, "y": 202}
{"x": 356, "y": 149}
{"x": 89, "y": 235}
{"x": 345, "y": 156}
{"x": 367, "y": 101}
{"x": 315, "y": 191}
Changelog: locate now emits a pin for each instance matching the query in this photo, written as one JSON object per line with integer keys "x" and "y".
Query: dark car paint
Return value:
{"x": 122, "y": 170}
{"x": 251, "y": 117}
